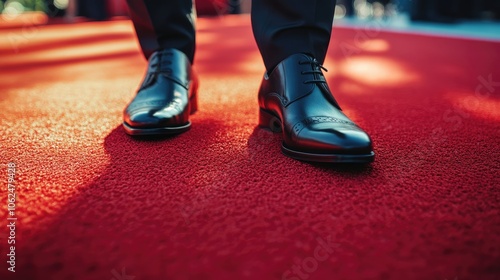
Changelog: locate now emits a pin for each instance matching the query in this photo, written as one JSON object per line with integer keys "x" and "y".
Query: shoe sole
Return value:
{"x": 269, "y": 121}
{"x": 156, "y": 131}
{"x": 166, "y": 130}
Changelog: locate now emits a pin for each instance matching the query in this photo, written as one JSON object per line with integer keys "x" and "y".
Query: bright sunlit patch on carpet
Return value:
{"x": 73, "y": 52}
{"x": 31, "y": 38}
{"x": 480, "y": 106}
{"x": 375, "y": 45}
{"x": 376, "y": 71}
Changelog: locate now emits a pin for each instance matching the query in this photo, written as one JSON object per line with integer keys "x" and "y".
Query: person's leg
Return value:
{"x": 294, "y": 97}
{"x": 285, "y": 27}
{"x": 163, "y": 24}
{"x": 167, "y": 95}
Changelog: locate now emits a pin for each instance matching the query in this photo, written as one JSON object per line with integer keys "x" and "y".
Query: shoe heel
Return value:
{"x": 269, "y": 121}
{"x": 193, "y": 100}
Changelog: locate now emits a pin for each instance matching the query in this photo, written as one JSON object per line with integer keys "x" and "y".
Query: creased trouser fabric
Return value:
{"x": 281, "y": 27}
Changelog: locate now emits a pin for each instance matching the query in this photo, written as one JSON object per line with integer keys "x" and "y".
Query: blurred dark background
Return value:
{"x": 444, "y": 11}
{"x": 426, "y": 10}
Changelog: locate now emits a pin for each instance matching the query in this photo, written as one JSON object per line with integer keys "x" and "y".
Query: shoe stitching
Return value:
{"x": 297, "y": 128}
{"x": 143, "y": 104}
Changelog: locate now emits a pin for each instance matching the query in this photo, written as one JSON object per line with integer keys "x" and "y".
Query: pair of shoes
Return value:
{"x": 294, "y": 99}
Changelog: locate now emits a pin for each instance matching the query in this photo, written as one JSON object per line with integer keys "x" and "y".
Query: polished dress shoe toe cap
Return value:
{"x": 153, "y": 118}
{"x": 330, "y": 139}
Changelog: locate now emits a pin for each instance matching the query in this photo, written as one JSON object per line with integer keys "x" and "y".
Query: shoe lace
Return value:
{"x": 161, "y": 64}
{"x": 317, "y": 67}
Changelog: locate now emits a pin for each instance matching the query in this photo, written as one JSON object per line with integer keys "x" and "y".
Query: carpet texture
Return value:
{"x": 220, "y": 201}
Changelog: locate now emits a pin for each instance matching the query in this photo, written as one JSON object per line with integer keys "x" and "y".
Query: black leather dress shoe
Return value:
{"x": 296, "y": 100}
{"x": 166, "y": 98}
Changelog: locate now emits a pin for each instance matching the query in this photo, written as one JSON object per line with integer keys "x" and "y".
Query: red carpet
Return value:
{"x": 221, "y": 202}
